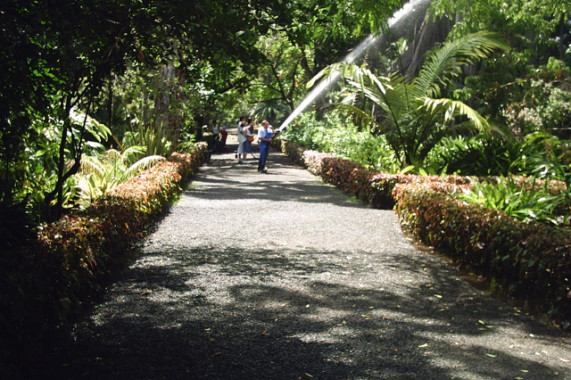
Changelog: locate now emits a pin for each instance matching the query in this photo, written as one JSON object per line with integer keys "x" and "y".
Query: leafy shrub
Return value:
{"x": 313, "y": 161}
{"x": 293, "y": 150}
{"x": 531, "y": 261}
{"x": 349, "y": 177}
{"x": 339, "y": 136}
{"x": 383, "y": 185}
{"x": 99, "y": 173}
{"x": 546, "y": 107}
{"x": 90, "y": 245}
{"x": 46, "y": 281}
{"x": 190, "y": 160}
{"x": 479, "y": 155}
{"x": 415, "y": 113}
{"x": 367, "y": 185}
{"x": 546, "y": 156}
{"x": 528, "y": 201}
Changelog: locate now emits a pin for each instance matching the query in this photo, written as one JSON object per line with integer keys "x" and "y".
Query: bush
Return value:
{"x": 372, "y": 188}
{"x": 384, "y": 184}
{"x": 523, "y": 198}
{"x": 48, "y": 279}
{"x": 339, "y": 136}
{"x": 529, "y": 260}
{"x": 478, "y": 155}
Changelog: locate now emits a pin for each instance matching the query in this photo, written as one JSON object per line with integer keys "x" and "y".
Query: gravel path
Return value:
{"x": 277, "y": 276}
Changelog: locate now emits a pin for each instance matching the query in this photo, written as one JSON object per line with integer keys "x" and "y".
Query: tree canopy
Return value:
{"x": 60, "y": 55}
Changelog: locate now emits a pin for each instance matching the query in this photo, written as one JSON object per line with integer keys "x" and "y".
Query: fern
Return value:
{"x": 413, "y": 115}
{"x": 527, "y": 202}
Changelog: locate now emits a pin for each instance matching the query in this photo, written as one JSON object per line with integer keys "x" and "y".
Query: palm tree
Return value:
{"x": 413, "y": 115}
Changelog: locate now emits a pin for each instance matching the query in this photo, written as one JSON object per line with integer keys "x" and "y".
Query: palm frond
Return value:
{"x": 360, "y": 117}
{"x": 450, "y": 109}
{"x": 444, "y": 65}
{"x": 387, "y": 93}
{"x": 112, "y": 154}
{"x": 92, "y": 165}
{"x": 414, "y": 116}
{"x": 142, "y": 164}
{"x": 90, "y": 187}
{"x": 132, "y": 153}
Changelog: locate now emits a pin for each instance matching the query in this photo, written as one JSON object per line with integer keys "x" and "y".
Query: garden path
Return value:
{"x": 278, "y": 276}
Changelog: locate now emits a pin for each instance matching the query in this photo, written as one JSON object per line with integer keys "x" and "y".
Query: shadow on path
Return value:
{"x": 336, "y": 293}
{"x": 267, "y": 315}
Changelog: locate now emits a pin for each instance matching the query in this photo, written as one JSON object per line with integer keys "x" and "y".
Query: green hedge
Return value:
{"x": 46, "y": 282}
{"x": 529, "y": 261}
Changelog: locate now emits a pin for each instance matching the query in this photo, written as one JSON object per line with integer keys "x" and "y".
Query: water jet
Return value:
{"x": 400, "y": 15}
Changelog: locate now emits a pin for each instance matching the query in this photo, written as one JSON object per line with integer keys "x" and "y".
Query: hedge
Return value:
{"x": 47, "y": 281}
{"x": 530, "y": 261}
{"x": 374, "y": 189}
{"x": 99, "y": 241}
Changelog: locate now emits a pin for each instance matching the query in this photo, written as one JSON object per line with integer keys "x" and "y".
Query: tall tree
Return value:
{"x": 306, "y": 36}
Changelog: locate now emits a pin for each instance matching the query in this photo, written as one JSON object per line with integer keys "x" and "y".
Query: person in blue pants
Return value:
{"x": 264, "y": 138}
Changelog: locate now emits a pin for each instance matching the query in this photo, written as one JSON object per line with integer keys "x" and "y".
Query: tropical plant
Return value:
{"x": 545, "y": 105}
{"x": 327, "y": 135}
{"x": 51, "y": 64}
{"x": 538, "y": 26}
{"x": 102, "y": 172}
{"x": 413, "y": 115}
{"x": 528, "y": 201}
{"x": 537, "y": 31}
{"x": 154, "y": 141}
{"x": 479, "y": 155}
{"x": 546, "y": 156}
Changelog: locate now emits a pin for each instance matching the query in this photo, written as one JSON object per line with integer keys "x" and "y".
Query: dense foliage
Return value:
{"x": 415, "y": 115}
{"x": 93, "y": 91}
{"x": 137, "y": 67}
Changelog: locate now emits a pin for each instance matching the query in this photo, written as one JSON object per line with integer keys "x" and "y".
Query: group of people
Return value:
{"x": 245, "y": 132}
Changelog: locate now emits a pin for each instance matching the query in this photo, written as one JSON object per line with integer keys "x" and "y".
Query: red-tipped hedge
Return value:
{"x": 99, "y": 240}
{"x": 531, "y": 261}
{"x": 372, "y": 188}
{"x": 47, "y": 281}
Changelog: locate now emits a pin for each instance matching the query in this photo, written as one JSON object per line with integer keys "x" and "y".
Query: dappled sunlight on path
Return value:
{"x": 277, "y": 276}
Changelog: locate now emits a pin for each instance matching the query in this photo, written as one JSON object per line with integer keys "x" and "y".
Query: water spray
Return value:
{"x": 326, "y": 83}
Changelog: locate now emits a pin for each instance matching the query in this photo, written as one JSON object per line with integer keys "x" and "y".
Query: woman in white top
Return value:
{"x": 241, "y": 138}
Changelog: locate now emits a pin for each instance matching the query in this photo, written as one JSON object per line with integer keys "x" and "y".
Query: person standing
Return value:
{"x": 247, "y": 130}
{"x": 223, "y": 137}
{"x": 241, "y": 138}
{"x": 216, "y": 133}
{"x": 265, "y": 138}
